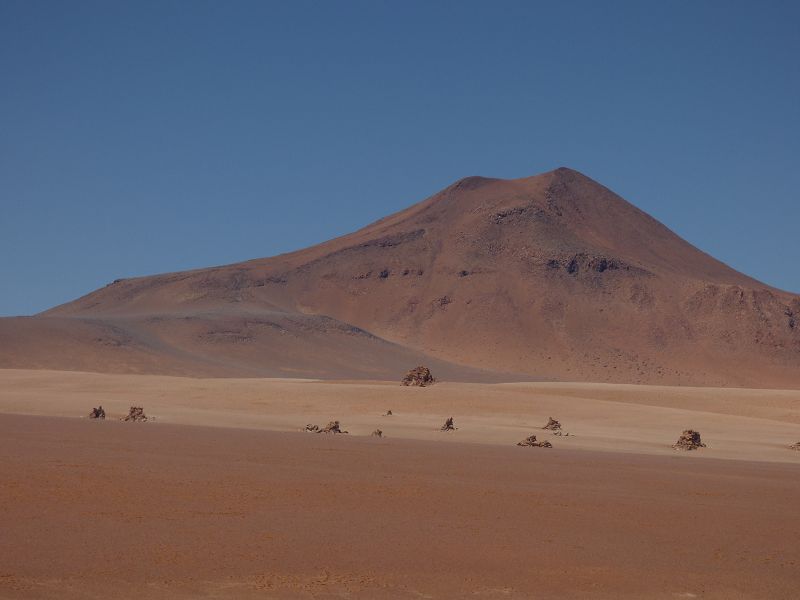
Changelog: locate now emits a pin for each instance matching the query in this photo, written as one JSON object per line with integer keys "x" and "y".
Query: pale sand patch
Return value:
{"x": 735, "y": 423}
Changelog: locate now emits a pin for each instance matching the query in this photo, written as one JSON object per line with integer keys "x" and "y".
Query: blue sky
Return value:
{"x": 143, "y": 137}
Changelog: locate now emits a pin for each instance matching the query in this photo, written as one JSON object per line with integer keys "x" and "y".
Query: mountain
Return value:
{"x": 546, "y": 277}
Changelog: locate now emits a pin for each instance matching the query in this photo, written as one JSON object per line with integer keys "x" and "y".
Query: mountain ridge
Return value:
{"x": 552, "y": 276}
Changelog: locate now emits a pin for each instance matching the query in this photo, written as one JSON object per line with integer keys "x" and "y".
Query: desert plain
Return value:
{"x": 222, "y": 495}
{"x": 545, "y": 296}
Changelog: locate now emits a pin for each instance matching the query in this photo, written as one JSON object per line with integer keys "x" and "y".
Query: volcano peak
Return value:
{"x": 552, "y": 276}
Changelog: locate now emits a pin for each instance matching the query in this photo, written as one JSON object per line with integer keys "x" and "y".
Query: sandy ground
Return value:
{"x": 251, "y": 508}
{"x": 735, "y": 423}
{"x": 101, "y": 510}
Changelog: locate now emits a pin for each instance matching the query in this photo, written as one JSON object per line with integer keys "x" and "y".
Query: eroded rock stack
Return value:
{"x": 532, "y": 442}
{"x": 136, "y": 413}
{"x": 449, "y": 425}
{"x": 419, "y": 376}
{"x": 689, "y": 440}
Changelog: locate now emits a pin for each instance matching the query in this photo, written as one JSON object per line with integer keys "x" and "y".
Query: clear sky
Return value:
{"x": 141, "y": 137}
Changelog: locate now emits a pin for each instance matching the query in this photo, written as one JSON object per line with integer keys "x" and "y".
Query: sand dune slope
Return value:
{"x": 272, "y": 344}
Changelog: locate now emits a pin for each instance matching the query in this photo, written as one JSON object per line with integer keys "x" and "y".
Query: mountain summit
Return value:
{"x": 552, "y": 276}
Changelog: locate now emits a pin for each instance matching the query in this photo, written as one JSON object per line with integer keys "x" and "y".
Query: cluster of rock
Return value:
{"x": 532, "y": 442}
{"x": 419, "y": 376}
{"x": 332, "y": 427}
{"x": 97, "y": 413}
{"x": 136, "y": 414}
{"x": 554, "y": 426}
{"x": 449, "y": 425}
{"x": 689, "y": 440}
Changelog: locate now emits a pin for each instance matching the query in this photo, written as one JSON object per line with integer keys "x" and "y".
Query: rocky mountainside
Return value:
{"x": 547, "y": 277}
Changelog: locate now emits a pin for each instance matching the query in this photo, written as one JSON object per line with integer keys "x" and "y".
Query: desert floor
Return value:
{"x": 222, "y": 496}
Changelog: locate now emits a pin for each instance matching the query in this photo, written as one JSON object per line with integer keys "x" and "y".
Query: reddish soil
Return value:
{"x": 93, "y": 509}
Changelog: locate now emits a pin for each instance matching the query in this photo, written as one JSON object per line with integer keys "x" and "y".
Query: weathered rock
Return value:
{"x": 449, "y": 425}
{"x": 552, "y": 425}
{"x": 419, "y": 376}
{"x": 136, "y": 413}
{"x": 377, "y": 433}
{"x": 388, "y": 413}
{"x": 332, "y": 427}
{"x": 311, "y": 428}
{"x": 97, "y": 413}
{"x": 795, "y": 446}
{"x": 532, "y": 442}
{"x": 689, "y": 440}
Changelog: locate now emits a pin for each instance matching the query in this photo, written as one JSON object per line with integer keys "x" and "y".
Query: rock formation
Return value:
{"x": 332, "y": 427}
{"x": 419, "y": 376}
{"x": 449, "y": 425}
{"x": 532, "y": 442}
{"x": 136, "y": 414}
{"x": 689, "y": 440}
{"x": 552, "y": 425}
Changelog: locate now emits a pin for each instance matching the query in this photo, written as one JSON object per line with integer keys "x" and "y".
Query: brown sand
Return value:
{"x": 110, "y": 509}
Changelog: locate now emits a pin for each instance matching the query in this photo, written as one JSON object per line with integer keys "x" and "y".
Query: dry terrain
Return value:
{"x": 221, "y": 496}
{"x": 546, "y": 296}
{"x": 736, "y": 423}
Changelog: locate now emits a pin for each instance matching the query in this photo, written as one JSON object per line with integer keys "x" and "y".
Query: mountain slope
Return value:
{"x": 552, "y": 276}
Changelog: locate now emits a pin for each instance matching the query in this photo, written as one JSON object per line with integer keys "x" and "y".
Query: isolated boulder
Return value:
{"x": 689, "y": 440}
{"x": 136, "y": 413}
{"x": 377, "y": 433}
{"x": 97, "y": 413}
{"x": 449, "y": 425}
{"x": 419, "y": 376}
{"x": 532, "y": 442}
